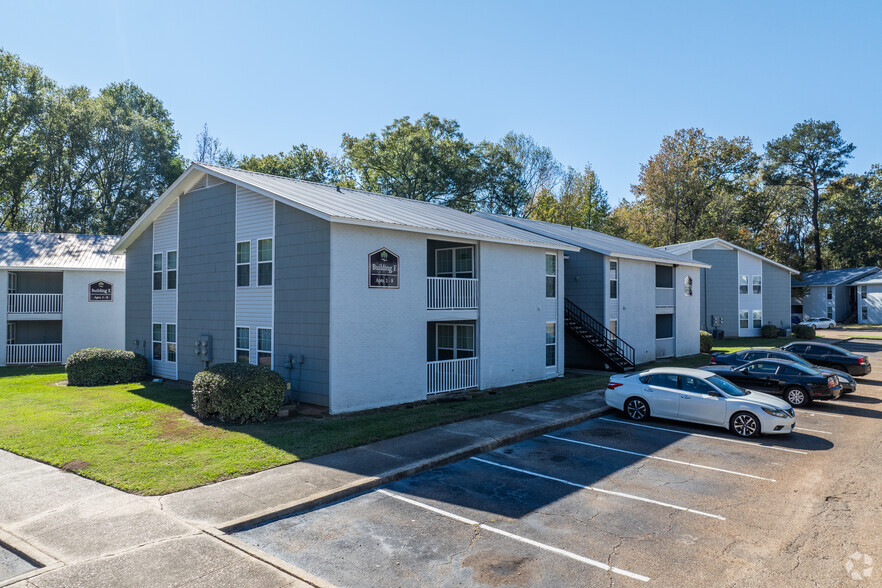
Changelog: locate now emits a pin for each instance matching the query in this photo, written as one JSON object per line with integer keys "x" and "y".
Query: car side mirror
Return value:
{"x": 714, "y": 394}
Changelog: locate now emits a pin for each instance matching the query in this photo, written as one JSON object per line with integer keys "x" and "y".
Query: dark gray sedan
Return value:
{"x": 849, "y": 384}
{"x": 799, "y": 385}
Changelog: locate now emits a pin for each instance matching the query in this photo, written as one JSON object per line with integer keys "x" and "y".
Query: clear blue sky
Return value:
{"x": 595, "y": 82}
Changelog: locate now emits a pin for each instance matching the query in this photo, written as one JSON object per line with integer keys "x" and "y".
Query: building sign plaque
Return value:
{"x": 100, "y": 292}
{"x": 383, "y": 269}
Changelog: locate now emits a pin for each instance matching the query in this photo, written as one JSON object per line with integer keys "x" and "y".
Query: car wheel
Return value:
{"x": 636, "y": 409}
{"x": 796, "y": 396}
{"x": 744, "y": 424}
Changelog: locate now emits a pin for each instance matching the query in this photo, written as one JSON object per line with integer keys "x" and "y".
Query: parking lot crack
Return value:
{"x": 610, "y": 560}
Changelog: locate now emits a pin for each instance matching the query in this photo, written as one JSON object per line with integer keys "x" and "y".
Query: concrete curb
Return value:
{"x": 371, "y": 482}
{"x": 42, "y": 562}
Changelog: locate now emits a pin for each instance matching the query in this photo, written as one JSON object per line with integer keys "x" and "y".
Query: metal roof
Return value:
{"x": 832, "y": 277}
{"x": 594, "y": 241}
{"x": 871, "y": 280}
{"x": 59, "y": 251}
{"x": 343, "y": 205}
{"x": 683, "y": 248}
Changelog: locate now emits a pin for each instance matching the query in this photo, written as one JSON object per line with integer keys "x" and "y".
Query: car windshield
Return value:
{"x": 728, "y": 387}
{"x": 796, "y": 359}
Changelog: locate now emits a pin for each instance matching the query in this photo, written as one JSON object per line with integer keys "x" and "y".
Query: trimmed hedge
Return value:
{"x": 770, "y": 331}
{"x": 804, "y": 331}
{"x": 102, "y": 367}
{"x": 705, "y": 342}
{"x": 238, "y": 392}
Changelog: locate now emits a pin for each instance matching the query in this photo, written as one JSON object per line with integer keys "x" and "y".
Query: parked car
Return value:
{"x": 819, "y": 323}
{"x": 795, "y": 319}
{"x": 698, "y": 396}
{"x": 799, "y": 385}
{"x": 849, "y": 384}
{"x": 832, "y": 356}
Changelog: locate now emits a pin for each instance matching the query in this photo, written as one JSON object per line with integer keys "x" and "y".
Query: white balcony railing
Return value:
{"x": 664, "y": 297}
{"x": 664, "y": 348}
{"x": 30, "y": 354}
{"x": 452, "y": 293}
{"x": 33, "y": 303}
{"x": 448, "y": 375}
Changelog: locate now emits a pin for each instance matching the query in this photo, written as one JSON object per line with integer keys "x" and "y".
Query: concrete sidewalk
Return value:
{"x": 85, "y": 534}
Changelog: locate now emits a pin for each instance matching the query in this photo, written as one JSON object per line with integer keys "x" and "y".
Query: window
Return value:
{"x": 264, "y": 262}
{"x": 171, "y": 279}
{"x": 550, "y": 275}
{"x": 664, "y": 276}
{"x": 664, "y": 326}
{"x": 864, "y": 315}
{"x": 171, "y": 343}
{"x": 742, "y": 284}
{"x": 788, "y": 370}
{"x": 762, "y": 368}
{"x": 157, "y": 271}
{"x": 157, "y": 342}
{"x": 454, "y": 263}
{"x": 265, "y": 347}
{"x": 613, "y": 280}
{"x": 12, "y": 283}
{"x": 243, "y": 338}
{"x": 757, "y": 319}
{"x": 243, "y": 263}
{"x": 757, "y": 284}
{"x": 743, "y": 319}
{"x": 863, "y": 292}
{"x": 797, "y": 347}
{"x": 550, "y": 345}
{"x": 693, "y": 384}
{"x": 455, "y": 341}
{"x": 829, "y": 293}
{"x": 830, "y": 312}
{"x": 755, "y": 355}
{"x": 10, "y": 333}
{"x": 664, "y": 380}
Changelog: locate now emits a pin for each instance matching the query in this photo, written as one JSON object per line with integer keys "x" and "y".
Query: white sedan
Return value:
{"x": 819, "y": 323}
{"x": 698, "y": 396}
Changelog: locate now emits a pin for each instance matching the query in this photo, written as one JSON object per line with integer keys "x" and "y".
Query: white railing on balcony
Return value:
{"x": 448, "y": 375}
{"x": 33, "y": 303}
{"x": 452, "y": 293}
{"x": 664, "y": 297}
{"x": 30, "y": 354}
{"x": 664, "y": 348}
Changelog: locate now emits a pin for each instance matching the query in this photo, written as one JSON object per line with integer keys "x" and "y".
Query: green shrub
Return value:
{"x": 804, "y": 331}
{"x": 238, "y": 392}
{"x": 770, "y": 331}
{"x": 101, "y": 367}
{"x": 705, "y": 341}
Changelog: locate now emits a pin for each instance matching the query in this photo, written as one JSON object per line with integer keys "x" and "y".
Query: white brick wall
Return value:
{"x": 637, "y": 307}
{"x": 688, "y": 317}
{"x": 92, "y": 324}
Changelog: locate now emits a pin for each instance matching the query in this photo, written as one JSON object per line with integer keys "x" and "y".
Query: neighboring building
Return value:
{"x": 359, "y": 300}
{"x": 64, "y": 293}
{"x": 742, "y": 290}
{"x": 828, "y": 293}
{"x": 643, "y": 298}
{"x": 868, "y": 293}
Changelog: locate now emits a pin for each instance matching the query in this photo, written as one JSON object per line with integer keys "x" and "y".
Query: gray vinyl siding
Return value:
{"x": 776, "y": 296}
{"x": 302, "y": 302}
{"x": 206, "y": 275}
{"x": 28, "y": 282}
{"x": 842, "y": 298}
{"x": 719, "y": 288}
{"x": 583, "y": 281}
{"x": 139, "y": 293}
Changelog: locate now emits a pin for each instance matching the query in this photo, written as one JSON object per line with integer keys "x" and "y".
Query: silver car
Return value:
{"x": 698, "y": 396}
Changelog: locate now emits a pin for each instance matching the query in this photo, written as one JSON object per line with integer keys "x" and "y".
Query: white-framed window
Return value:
{"x": 157, "y": 271}
{"x": 864, "y": 313}
{"x": 757, "y": 284}
{"x": 829, "y": 293}
{"x": 243, "y": 264}
{"x": 830, "y": 312}
{"x": 743, "y": 319}
{"x": 863, "y": 292}
{"x": 550, "y": 344}
{"x": 243, "y": 345}
{"x": 454, "y": 341}
{"x": 10, "y": 333}
{"x": 265, "y": 347}
{"x": 171, "y": 343}
{"x": 613, "y": 280}
{"x": 757, "y": 319}
{"x": 12, "y": 283}
{"x": 550, "y": 275}
{"x": 171, "y": 264}
{"x": 264, "y": 262}
{"x": 743, "y": 282}
{"x": 455, "y": 262}
{"x": 157, "y": 342}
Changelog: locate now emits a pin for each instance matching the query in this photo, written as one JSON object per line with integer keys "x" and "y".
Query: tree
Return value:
{"x": 208, "y": 150}
{"x": 812, "y": 155}
{"x": 302, "y": 163}
{"x": 582, "y": 202}
{"x": 533, "y": 169}
{"x": 853, "y": 219}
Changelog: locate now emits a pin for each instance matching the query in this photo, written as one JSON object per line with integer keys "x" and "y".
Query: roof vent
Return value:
{"x": 339, "y": 190}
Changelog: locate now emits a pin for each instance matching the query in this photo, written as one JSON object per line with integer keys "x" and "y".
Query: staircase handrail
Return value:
{"x": 597, "y": 329}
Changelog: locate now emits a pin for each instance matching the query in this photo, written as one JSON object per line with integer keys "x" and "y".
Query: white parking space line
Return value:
{"x": 685, "y": 463}
{"x": 600, "y": 490}
{"x": 544, "y": 546}
{"x": 826, "y": 414}
{"x": 812, "y": 431}
{"x": 688, "y": 434}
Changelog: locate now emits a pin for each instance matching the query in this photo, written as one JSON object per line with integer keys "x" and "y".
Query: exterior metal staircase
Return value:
{"x": 617, "y": 354}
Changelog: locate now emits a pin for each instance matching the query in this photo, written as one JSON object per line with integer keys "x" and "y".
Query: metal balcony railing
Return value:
{"x": 664, "y": 297}
{"x": 33, "y": 303}
{"x": 664, "y": 347}
{"x": 31, "y": 354}
{"x": 448, "y": 375}
{"x": 452, "y": 293}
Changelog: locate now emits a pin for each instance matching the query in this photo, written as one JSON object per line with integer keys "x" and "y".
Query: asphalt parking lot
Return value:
{"x": 619, "y": 503}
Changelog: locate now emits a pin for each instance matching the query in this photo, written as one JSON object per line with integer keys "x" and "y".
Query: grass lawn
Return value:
{"x": 144, "y": 438}
{"x": 739, "y": 343}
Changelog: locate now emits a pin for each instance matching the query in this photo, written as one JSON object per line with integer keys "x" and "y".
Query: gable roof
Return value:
{"x": 59, "y": 251}
{"x": 347, "y": 206}
{"x": 593, "y": 240}
{"x": 873, "y": 279}
{"x": 833, "y": 277}
{"x": 683, "y": 248}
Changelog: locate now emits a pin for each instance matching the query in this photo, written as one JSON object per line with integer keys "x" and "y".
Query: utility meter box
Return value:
{"x": 203, "y": 347}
